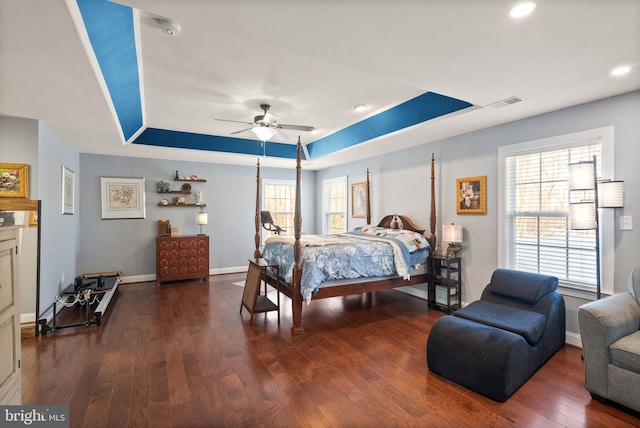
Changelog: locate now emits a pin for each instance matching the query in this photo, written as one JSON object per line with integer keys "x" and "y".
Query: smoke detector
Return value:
{"x": 169, "y": 26}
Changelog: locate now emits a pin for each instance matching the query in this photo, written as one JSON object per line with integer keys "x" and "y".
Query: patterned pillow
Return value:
{"x": 634, "y": 283}
{"x": 412, "y": 240}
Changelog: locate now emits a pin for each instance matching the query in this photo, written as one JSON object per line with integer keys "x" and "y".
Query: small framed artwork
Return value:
{"x": 359, "y": 200}
{"x": 33, "y": 218}
{"x": 472, "y": 195}
{"x": 122, "y": 197}
{"x": 68, "y": 189}
{"x": 14, "y": 180}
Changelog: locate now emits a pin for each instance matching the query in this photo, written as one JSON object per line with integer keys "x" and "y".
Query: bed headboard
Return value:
{"x": 407, "y": 224}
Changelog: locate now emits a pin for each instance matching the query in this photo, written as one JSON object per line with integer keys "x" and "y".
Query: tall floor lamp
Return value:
{"x": 583, "y": 213}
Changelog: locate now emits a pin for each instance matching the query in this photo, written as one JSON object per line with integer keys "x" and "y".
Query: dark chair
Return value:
{"x": 495, "y": 344}
{"x": 267, "y": 223}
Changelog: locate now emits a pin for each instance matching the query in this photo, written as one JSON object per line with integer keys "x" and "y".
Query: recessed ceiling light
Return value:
{"x": 359, "y": 108}
{"x": 620, "y": 71}
{"x": 522, "y": 9}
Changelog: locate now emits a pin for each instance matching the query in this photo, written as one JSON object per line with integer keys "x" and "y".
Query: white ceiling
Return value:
{"x": 312, "y": 61}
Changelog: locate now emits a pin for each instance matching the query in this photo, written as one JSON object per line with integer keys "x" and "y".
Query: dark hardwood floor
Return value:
{"x": 182, "y": 355}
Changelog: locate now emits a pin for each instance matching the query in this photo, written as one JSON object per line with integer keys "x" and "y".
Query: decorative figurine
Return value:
{"x": 198, "y": 197}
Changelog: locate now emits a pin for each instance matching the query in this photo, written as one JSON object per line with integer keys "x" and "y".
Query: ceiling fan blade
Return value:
{"x": 242, "y": 130}
{"x": 235, "y": 121}
{"x": 296, "y": 127}
{"x": 286, "y": 137}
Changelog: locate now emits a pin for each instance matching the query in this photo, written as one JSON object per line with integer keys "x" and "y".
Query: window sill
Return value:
{"x": 579, "y": 292}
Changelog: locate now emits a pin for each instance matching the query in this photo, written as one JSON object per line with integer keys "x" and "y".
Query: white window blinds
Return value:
{"x": 537, "y": 232}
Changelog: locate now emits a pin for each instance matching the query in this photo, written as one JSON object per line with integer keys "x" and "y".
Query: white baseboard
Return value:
{"x": 152, "y": 277}
{"x": 28, "y": 318}
{"x": 137, "y": 278}
{"x": 222, "y": 271}
{"x": 573, "y": 339}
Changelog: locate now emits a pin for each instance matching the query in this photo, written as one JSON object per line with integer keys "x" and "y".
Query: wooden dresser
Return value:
{"x": 182, "y": 257}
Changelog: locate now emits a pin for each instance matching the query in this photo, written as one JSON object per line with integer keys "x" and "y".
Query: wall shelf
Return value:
{"x": 160, "y": 204}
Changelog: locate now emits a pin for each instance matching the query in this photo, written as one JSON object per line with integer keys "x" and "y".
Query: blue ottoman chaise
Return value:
{"x": 493, "y": 345}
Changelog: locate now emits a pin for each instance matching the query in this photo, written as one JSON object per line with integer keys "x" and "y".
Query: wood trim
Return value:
{"x": 15, "y": 204}
{"x": 432, "y": 239}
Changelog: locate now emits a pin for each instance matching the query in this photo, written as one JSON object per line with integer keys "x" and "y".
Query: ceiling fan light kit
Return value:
{"x": 264, "y": 133}
{"x": 265, "y": 126}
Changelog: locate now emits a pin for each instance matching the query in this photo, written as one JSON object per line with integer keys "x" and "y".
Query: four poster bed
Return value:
{"x": 371, "y": 258}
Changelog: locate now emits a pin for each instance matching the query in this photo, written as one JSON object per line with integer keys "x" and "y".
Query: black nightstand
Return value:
{"x": 445, "y": 283}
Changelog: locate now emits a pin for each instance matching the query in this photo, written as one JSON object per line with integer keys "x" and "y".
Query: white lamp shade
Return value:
{"x": 451, "y": 233}
{"x": 581, "y": 176}
{"x": 582, "y": 215}
{"x": 264, "y": 133}
{"x": 611, "y": 194}
{"x": 203, "y": 218}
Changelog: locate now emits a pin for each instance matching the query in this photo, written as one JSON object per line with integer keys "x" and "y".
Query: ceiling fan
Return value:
{"x": 265, "y": 125}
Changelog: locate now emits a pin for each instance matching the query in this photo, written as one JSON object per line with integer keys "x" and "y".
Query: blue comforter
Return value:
{"x": 344, "y": 256}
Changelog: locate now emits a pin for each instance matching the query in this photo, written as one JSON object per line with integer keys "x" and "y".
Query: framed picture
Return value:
{"x": 359, "y": 200}
{"x": 472, "y": 195}
{"x": 68, "y": 190}
{"x": 14, "y": 180}
{"x": 33, "y": 218}
{"x": 122, "y": 197}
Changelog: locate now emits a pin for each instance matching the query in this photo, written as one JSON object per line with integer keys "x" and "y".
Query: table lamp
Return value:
{"x": 203, "y": 219}
{"x": 453, "y": 235}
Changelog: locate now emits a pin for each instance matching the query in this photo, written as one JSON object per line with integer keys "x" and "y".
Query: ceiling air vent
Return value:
{"x": 505, "y": 102}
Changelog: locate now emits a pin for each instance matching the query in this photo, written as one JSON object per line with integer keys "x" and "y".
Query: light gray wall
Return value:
{"x": 400, "y": 184}
{"x": 128, "y": 245}
{"x": 60, "y": 234}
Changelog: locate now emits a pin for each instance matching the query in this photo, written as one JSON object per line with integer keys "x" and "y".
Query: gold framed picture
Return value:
{"x": 359, "y": 200}
{"x": 14, "y": 180}
{"x": 33, "y": 218}
{"x": 471, "y": 195}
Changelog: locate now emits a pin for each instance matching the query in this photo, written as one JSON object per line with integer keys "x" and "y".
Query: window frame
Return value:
{"x": 604, "y": 136}
{"x": 266, "y": 182}
{"x": 325, "y": 202}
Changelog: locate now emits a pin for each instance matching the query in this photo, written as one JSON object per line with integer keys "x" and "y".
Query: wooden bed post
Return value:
{"x": 256, "y": 253}
{"x": 368, "y": 199}
{"x": 296, "y": 296}
{"x": 432, "y": 238}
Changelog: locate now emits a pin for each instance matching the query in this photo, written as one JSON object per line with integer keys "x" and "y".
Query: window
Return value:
{"x": 279, "y": 198}
{"x": 534, "y": 209}
{"x": 334, "y": 205}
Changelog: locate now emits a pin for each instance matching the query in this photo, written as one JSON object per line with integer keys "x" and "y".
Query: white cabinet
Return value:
{"x": 10, "y": 389}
